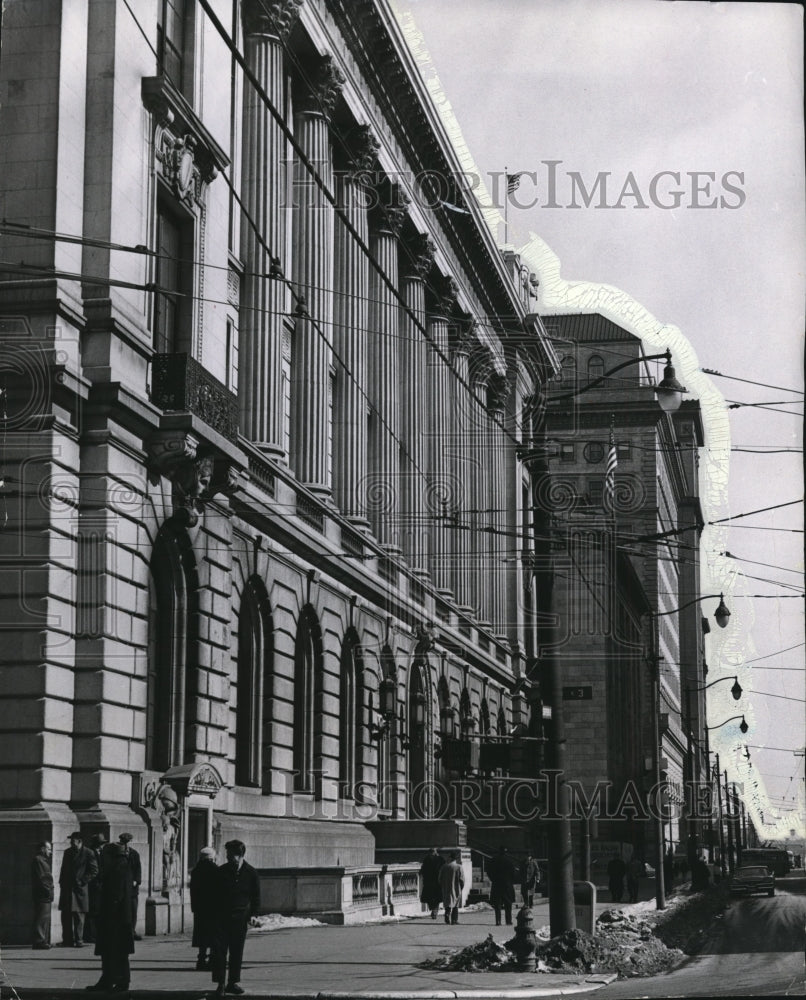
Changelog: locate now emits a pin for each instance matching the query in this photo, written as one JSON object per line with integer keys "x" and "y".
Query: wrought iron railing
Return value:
{"x": 181, "y": 384}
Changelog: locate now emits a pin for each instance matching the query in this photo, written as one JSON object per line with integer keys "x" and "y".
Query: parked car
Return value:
{"x": 749, "y": 880}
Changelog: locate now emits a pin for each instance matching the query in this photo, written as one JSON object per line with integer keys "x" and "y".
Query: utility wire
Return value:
{"x": 764, "y": 385}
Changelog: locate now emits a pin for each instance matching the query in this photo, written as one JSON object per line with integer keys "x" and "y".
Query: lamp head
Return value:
{"x": 669, "y": 391}
{"x": 721, "y": 615}
{"x": 743, "y": 725}
{"x": 736, "y": 690}
{"x": 388, "y": 698}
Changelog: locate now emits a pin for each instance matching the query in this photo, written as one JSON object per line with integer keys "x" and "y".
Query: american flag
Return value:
{"x": 513, "y": 182}
{"x": 610, "y": 474}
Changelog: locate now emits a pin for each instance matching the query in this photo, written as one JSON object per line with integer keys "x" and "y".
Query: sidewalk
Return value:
{"x": 368, "y": 960}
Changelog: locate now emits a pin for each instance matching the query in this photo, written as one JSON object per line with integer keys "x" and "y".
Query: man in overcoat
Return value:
{"x": 136, "y": 869}
{"x": 115, "y": 933}
{"x": 452, "y": 881}
{"x": 431, "y": 893}
{"x": 79, "y": 868}
{"x": 41, "y": 894}
{"x": 203, "y": 903}
{"x": 238, "y": 898}
{"x": 530, "y": 880}
{"x": 502, "y": 873}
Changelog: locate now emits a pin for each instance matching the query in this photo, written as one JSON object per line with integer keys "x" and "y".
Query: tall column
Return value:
{"x": 350, "y": 333}
{"x": 311, "y": 353}
{"x": 497, "y": 394}
{"x": 263, "y": 300}
{"x": 478, "y": 488}
{"x": 413, "y": 401}
{"x": 461, "y": 461}
{"x": 440, "y": 496}
{"x": 386, "y": 221}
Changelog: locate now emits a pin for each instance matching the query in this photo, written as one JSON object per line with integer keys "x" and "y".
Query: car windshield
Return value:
{"x": 751, "y": 872}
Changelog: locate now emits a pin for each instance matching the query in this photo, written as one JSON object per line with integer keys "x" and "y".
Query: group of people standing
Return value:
{"x": 98, "y": 902}
{"x": 618, "y": 870}
{"x": 442, "y": 882}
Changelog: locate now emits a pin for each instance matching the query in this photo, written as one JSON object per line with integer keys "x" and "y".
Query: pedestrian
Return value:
{"x": 530, "y": 880}
{"x": 700, "y": 875}
{"x": 431, "y": 893}
{"x": 616, "y": 870}
{"x": 502, "y": 873}
{"x": 203, "y": 881}
{"x": 115, "y": 937}
{"x": 136, "y": 869}
{"x": 635, "y": 871}
{"x": 452, "y": 881}
{"x": 79, "y": 868}
{"x": 238, "y": 896}
{"x": 668, "y": 868}
{"x": 41, "y": 895}
{"x": 97, "y": 845}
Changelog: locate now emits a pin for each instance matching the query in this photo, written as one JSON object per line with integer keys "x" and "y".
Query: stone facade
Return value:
{"x": 247, "y": 464}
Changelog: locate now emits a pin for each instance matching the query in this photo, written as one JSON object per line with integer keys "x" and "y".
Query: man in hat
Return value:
{"x": 79, "y": 868}
{"x": 136, "y": 868}
{"x": 238, "y": 898}
{"x": 115, "y": 940}
{"x": 97, "y": 845}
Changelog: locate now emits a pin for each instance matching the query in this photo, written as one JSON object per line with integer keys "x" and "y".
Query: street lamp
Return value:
{"x": 387, "y": 708}
{"x": 669, "y": 391}
{"x": 742, "y": 725}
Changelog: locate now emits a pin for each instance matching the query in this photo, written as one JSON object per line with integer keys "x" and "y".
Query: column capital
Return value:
{"x": 270, "y": 17}
{"x": 363, "y": 153}
{"x": 464, "y": 337}
{"x": 444, "y": 293}
{"x": 420, "y": 256}
{"x": 389, "y": 211}
{"x": 324, "y": 85}
{"x": 498, "y": 391}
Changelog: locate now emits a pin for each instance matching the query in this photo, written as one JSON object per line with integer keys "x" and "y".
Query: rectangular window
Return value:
{"x": 173, "y": 303}
{"x": 232, "y": 356}
{"x": 171, "y": 41}
{"x": 623, "y": 451}
{"x": 596, "y": 491}
{"x": 567, "y": 453}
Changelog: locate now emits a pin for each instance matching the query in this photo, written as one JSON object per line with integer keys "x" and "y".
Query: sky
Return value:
{"x": 637, "y": 96}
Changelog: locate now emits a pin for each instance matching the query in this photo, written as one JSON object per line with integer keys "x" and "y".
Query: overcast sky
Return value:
{"x": 636, "y": 88}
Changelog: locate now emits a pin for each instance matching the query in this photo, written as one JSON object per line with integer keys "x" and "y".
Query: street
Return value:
{"x": 758, "y": 952}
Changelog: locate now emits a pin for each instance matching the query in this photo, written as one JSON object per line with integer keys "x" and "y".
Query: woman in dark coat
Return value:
{"x": 203, "y": 881}
{"x": 115, "y": 933}
{"x": 431, "y": 893}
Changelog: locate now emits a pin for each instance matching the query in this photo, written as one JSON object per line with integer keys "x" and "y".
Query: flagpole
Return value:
{"x": 506, "y": 205}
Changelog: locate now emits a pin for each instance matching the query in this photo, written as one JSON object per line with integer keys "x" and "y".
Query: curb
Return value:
{"x": 586, "y": 985}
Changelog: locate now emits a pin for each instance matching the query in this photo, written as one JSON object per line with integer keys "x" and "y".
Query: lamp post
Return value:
{"x": 721, "y": 616}
{"x": 736, "y": 691}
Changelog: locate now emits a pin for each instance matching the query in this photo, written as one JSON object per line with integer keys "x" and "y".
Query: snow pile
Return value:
{"x": 489, "y": 956}
{"x": 277, "y": 922}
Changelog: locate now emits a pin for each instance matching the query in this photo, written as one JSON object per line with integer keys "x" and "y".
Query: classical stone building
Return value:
{"x": 624, "y": 560}
{"x": 264, "y": 388}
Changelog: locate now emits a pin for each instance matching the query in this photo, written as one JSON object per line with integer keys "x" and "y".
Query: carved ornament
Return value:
{"x": 324, "y": 86}
{"x": 270, "y": 17}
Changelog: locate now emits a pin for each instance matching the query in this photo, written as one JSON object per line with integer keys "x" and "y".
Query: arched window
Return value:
{"x": 569, "y": 370}
{"x": 254, "y": 684}
{"x": 170, "y": 685}
{"x": 596, "y": 366}
{"x": 307, "y": 664}
{"x": 351, "y": 711}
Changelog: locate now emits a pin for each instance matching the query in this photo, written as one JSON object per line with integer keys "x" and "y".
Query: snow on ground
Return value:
{"x": 277, "y": 922}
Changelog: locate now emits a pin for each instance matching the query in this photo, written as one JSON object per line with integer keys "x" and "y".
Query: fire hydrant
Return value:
{"x": 524, "y": 943}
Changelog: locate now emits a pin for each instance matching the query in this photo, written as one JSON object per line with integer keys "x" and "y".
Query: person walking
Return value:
{"x": 41, "y": 895}
{"x": 97, "y": 845}
{"x": 616, "y": 870}
{"x": 635, "y": 870}
{"x": 237, "y": 897}
{"x": 115, "y": 932}
{"x": 530, "y": 879}
{"x": 451, "y": 882}
{"x": 79, "y": 868}
{"x": 431, "y": 893}
{"x": 700, "y": 875}
{"x": 203, "y": 881}
{"x": 136, "y": 869}
{"x": 502, "y": 873}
